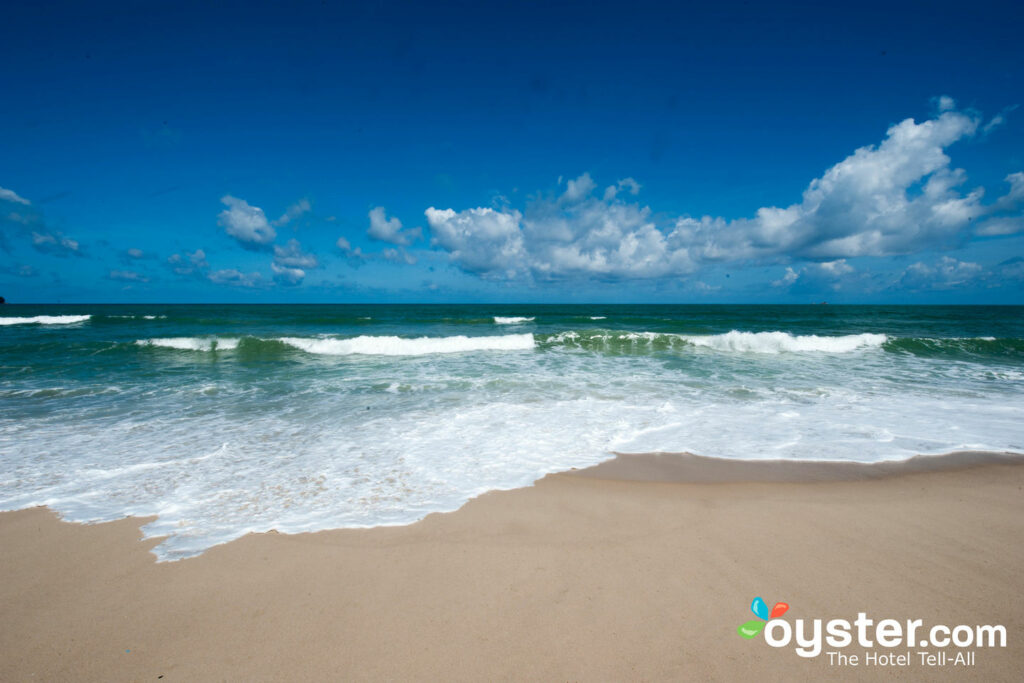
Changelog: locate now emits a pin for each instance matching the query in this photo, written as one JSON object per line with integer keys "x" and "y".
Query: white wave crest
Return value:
{"x": 191, "y": 343}
{"x": 398, "y": 346}
{"x": 513, "y": 320}
{"x": 46, "y": 320}
{"x": 598, "y": 317}
{"x": 780, "y": 342}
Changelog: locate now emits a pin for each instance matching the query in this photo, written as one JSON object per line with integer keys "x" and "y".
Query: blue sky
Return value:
{"x": 385, "y": 151}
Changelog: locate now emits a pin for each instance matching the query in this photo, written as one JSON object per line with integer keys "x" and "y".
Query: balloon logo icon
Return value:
{"x": 760, "y": 609}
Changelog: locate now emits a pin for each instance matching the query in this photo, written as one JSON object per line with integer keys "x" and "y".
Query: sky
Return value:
{"x": 512, "y": 152}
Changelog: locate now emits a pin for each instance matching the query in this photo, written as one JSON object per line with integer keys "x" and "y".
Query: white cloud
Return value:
{"x": 292, "y": 256}
{"x": 898, "y": 197}
{"x": 355, "y": 255}
{"x": 127, "y": 276}
{"x": 579, "y": 188}
{"x": 12, "y": 196}
{"x": 554, "y": 240}
{"x": 55, "y": 243}
{"x": 625, "y": 184}
{"x": 996, "y": 121}
{"x": 398, "y": 256}
{"x": 1003, "y": 225}
{"x": 1015, "y": 196}
{"x": 946, "y": 273}
{"x": 480, "y": 240}
{"x": 384, "y": 229}
{"x": 247, "y": 224}
{"x": 946, "y": 103}
{"x": 287, "y": 276}
{"x": 836, "y": 268}
{"x": 136, "y": 253}
{"x": 191, "y": 263}
{"x": 786, "y": 280}
{"x": 18, "y": 218}
{"x": 231, "y": 276}
{"x": 296, "y": 210}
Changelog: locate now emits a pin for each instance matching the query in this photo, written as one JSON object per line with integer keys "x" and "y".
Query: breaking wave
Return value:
{"x": 512, "y": 320}
{"x": 779, "y": 342}
{"x": 46, "y": 320}
{"x": 743, "y": 342}
{"x": 399, "y": 346}
{"x": 191, "y": 343}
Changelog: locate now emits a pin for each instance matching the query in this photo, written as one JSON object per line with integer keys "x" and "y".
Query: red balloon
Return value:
{"x": 779, "y": 609}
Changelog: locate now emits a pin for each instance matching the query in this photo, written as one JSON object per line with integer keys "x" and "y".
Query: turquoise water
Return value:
{"x": 226, "y": 419}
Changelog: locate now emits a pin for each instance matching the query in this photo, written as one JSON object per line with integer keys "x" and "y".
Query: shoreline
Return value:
{"x": 586, "y": 575}
{"x": 690, "y": 468}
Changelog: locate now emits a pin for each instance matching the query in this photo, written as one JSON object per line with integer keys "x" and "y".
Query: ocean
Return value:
{"x": 226, "y": 419}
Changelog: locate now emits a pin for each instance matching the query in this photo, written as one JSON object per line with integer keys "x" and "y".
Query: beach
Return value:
{"x": 639, "y": 569}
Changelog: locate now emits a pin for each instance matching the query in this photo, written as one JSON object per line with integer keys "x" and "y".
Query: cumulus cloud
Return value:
{"x": 1002, "y": 225}
{"x": 946, "y": 273}
{"x": 384, "y": 229}
{"x": 836, "y": 268}
{"x": 234, "y": 277}
{"x": 787, "y": 279}
{"x": 816, "y": 276}
{"x": 55, "y": 243}
{"x": 398, "y": 256}
{"x": 247, "y": 224}
{"x": 898, "y": 197}
{"x": 189, "y": 263}
{"x": 127, "y": 276}
{"x": 20, "y": 220}
{"x": 131, "y": 255}
{"x": 354, "y": 255}
{"x": 291, "y": 263}
{"x": 895, "y": 198}
{"x": 585, "y": 236}
{"x": 481, "y": 240}
{"x": 578, "y": 188}
{"x": 287, "y": 276}
{"x": 624, "y": 185}
{"x": 292, "y": 256}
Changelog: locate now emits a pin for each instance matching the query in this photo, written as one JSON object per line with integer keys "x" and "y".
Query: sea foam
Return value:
{"x": 46, "y": 320}
{"x": 399, "y": 346}
{"x": 779, "y": 342}
{"x": 191, "y": 343}
{"x": 512, "y": 320}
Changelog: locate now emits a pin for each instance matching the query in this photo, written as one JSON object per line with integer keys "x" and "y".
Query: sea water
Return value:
{"x": 220, "y": 420}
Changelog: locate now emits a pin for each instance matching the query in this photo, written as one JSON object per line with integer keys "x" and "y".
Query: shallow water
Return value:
{"x": 222, "y": 420}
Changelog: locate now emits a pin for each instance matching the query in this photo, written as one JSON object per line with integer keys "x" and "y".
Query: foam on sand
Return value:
{"x": 46, "y": 320}
{"x": 399, "y": 346}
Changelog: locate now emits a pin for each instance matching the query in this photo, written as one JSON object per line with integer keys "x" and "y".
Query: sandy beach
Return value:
{"x": 638, "y": 569}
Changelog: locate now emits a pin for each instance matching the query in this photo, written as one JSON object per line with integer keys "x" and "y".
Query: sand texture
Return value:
{"x": 621, "y": 573}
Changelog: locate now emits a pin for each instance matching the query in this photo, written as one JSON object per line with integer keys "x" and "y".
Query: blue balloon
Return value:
{"x": 760, "y": 609}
